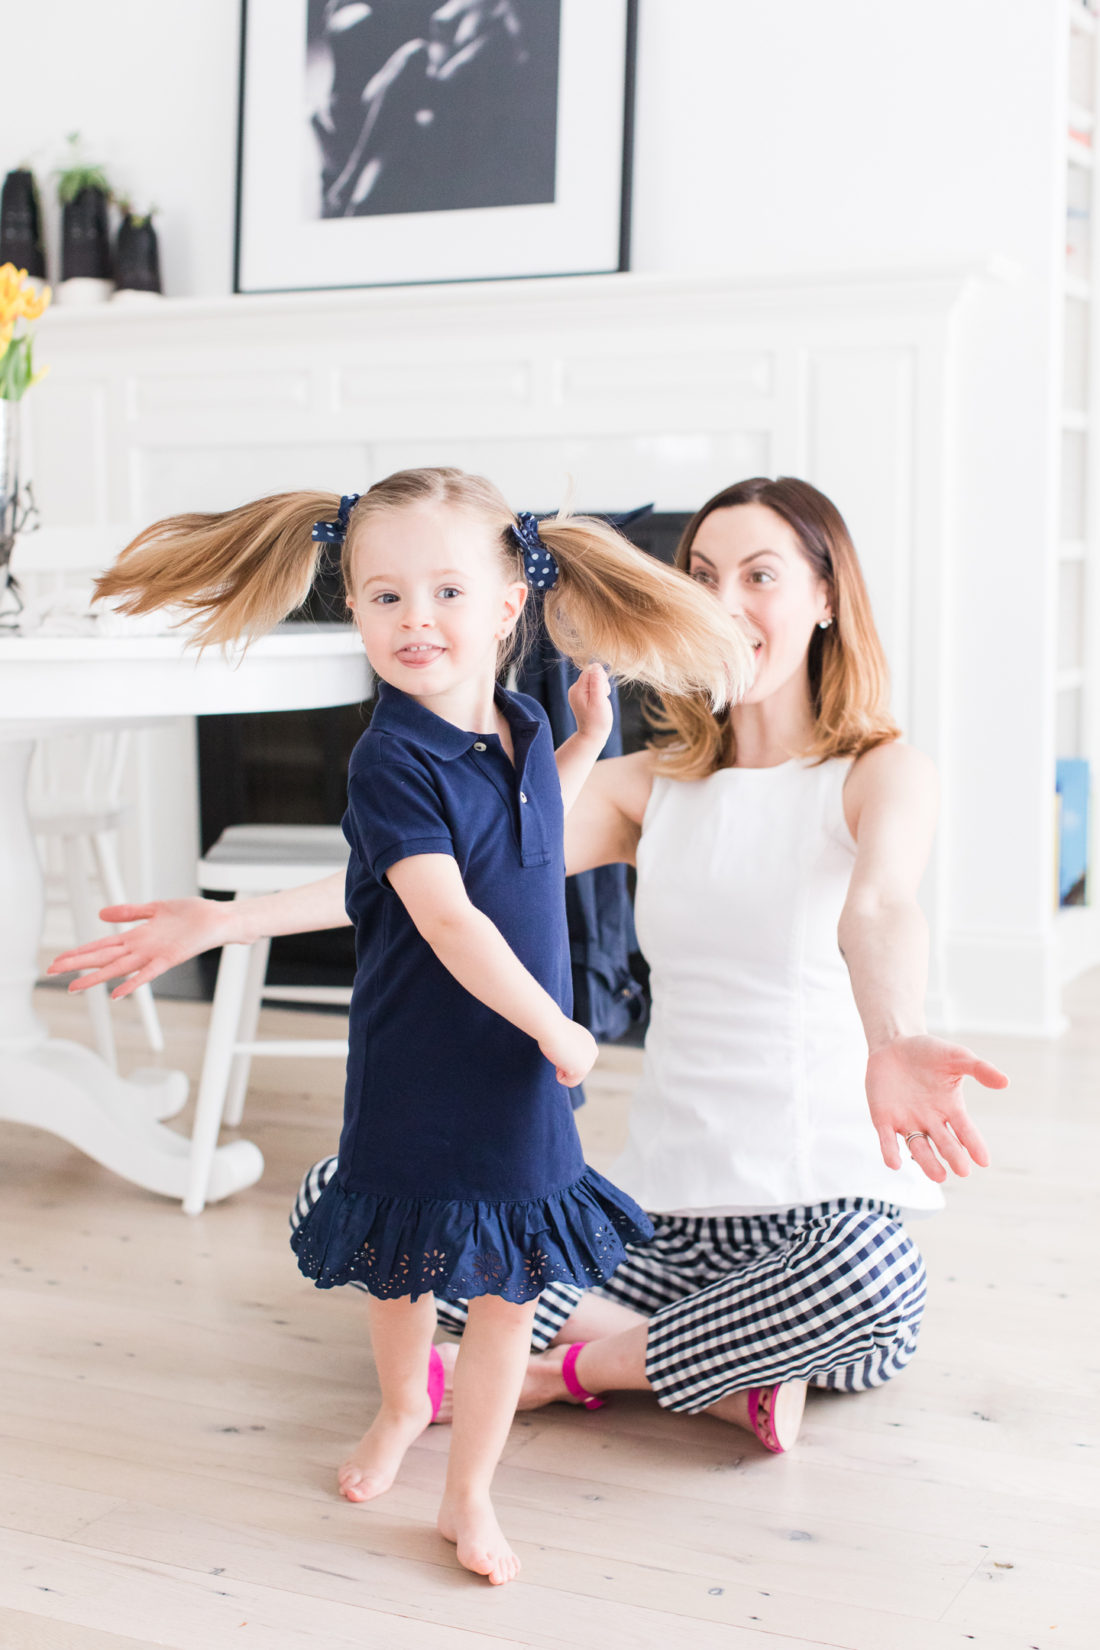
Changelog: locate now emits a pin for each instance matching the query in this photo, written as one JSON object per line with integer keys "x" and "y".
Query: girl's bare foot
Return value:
{"x": 372, "y": 1466}
{"x": 471, "y": 1523}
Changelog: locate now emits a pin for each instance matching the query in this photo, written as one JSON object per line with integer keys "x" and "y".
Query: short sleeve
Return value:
{"x": 394, "y": 811}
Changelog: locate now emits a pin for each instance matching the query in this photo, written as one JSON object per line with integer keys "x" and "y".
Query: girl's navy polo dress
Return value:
{"x": 460, "y": 1170}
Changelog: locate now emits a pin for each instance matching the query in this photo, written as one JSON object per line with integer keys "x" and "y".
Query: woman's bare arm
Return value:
{"x": 170, "y": 931}
{"x": 914, "y": 1081}
{"x": 605, "y": 822}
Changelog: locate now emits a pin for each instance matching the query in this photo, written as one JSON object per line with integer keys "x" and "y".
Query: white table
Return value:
{"x": 62, "y": 684}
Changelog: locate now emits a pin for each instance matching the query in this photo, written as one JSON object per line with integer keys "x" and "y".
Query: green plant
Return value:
{"x": 78, "y": 175}
{"x": 19, "y": 303}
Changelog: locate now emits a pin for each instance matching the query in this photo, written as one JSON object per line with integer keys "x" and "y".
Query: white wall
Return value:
{"x": 151, "y": 86}
{"x": 854, "y": 134}
{"x": 771, "y": 138}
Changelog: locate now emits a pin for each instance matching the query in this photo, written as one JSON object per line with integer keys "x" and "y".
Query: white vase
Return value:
{"x": 15, "y": 508}
{"x": 83, "y": 290}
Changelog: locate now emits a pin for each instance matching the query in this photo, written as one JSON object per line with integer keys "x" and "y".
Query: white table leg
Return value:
{"x": 63, "y": 1087}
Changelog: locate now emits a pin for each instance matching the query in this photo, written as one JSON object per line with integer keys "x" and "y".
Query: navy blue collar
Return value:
{"x": 395, "y": 712}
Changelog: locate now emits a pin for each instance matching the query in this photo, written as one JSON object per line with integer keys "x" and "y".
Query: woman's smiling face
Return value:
{"x": 753, "y": 563}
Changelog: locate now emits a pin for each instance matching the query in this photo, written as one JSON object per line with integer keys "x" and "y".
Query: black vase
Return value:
{"x": 20, "y": 224}
{"x": 137, "y": 260}
{"x": 85, "y": 244}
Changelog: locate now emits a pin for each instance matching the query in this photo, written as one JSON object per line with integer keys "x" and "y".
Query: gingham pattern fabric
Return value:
{"x": 833, "y": 1294}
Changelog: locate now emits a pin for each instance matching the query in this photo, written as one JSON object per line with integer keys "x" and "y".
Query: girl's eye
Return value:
{"x": 450, "y": 590}
{"x": 385, "y": 597}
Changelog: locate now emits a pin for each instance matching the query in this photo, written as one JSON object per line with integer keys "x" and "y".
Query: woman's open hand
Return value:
{"x": 168, "y": 932}
{"x": 914, "y": 1085}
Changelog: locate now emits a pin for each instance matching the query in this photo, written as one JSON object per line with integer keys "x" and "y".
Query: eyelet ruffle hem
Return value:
{"x": 397, "y": 1246}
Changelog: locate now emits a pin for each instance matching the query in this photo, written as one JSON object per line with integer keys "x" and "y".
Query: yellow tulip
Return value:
{"x": 11, "y": 279}
{"x": 35, "y": 307}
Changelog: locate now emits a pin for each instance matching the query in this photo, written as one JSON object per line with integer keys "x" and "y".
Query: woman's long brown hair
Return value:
{"x": 848, "y": 677}
{"x": 236, "y": 574}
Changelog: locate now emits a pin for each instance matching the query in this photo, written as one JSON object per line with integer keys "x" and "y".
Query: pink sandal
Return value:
{"x": 775, "y": 1413}
{"x": 572, "y": 1384}
{"x": 437, "y": 1380}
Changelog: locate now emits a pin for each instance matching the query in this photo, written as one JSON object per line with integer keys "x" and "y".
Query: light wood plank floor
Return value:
{"x": 176, "y": 1400}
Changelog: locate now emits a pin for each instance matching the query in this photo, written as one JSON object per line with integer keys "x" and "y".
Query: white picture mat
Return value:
{"x": 281, "y": 249}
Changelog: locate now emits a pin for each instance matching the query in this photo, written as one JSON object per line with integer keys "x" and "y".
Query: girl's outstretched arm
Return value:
{"x": 590, "y": 702}
{"x": 914, "y": 1081}
{"x": 472, "y": 948}
{"x": 169, "y": 931}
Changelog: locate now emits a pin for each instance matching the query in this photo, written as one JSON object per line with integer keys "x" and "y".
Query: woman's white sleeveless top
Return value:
{"x": 752, "y": 1091}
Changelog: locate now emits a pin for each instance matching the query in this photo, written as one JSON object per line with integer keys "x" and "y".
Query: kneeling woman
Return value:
{"x": 779, "y": 847}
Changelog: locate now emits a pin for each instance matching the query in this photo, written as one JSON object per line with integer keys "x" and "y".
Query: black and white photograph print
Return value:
{"x": 432, "y": 140}
{"x": 414, "y": 106}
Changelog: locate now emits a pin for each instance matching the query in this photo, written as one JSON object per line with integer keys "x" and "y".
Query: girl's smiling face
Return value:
{"x": 431, "y": 598}
{"x": 751, "y": 559}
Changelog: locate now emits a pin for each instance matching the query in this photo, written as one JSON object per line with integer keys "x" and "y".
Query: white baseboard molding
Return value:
{"x": 1005, "y": 985}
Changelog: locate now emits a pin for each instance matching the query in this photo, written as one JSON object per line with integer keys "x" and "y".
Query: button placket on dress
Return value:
{"x": 534, "y": 848}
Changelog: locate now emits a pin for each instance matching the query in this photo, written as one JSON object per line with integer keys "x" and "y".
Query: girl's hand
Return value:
{"x": 169, "y": 931}
{"x": 571, "y": 1049}
{"x": 590, "y": 702}
{"x": 915, "y": 1084}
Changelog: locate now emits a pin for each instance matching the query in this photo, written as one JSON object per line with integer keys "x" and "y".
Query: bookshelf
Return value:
{"x": 1077, "y": 571}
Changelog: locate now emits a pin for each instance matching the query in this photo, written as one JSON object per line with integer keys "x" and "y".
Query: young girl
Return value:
{"x": 460, "y": 1169}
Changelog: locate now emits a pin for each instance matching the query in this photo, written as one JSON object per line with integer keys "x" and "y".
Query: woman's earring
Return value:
{"x": 823, "y": 624}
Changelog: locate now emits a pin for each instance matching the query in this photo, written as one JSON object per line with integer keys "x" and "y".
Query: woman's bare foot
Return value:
{"x": 785, "y": 1418}
{"x": 471, "y": 1523}
{"x": 372, "y": 1466}
{"x": 448, "y": 1356}
{"x": 543, "y": 1384}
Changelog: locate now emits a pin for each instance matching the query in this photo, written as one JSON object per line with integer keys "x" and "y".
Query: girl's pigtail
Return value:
{"x": 238, "y": 572}
{"x": 646, "y": 622}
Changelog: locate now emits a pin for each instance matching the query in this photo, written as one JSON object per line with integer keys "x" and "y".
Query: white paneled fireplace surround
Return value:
{"x": 606, "y": 391}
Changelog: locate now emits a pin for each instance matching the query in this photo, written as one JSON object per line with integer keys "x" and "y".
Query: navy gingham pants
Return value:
{"x": 832, "y": 1294}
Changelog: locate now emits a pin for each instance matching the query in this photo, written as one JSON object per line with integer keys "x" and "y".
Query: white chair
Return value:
{"x": 75, "y": 800}
{"x": 254, "y": 859}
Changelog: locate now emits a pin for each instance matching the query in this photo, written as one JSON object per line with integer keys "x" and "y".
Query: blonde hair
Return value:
{"x": 241, "y": 571}
{"x": 848, "y": 677}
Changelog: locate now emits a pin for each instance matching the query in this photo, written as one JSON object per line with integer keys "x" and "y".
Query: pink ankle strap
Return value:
{"x": 437, "y": 1380}
{"x": 569, "y": 1376}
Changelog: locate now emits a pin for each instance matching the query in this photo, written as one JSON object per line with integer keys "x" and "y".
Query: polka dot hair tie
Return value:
{"x": 539, "y": 565}
{"x": 334, "y": 532}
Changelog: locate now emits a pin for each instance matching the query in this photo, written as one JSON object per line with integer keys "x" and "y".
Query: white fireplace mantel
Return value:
{"x": 607, "y": 390}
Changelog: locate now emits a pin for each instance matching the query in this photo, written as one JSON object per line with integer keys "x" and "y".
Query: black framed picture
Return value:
{"x": 432, "y": 140}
